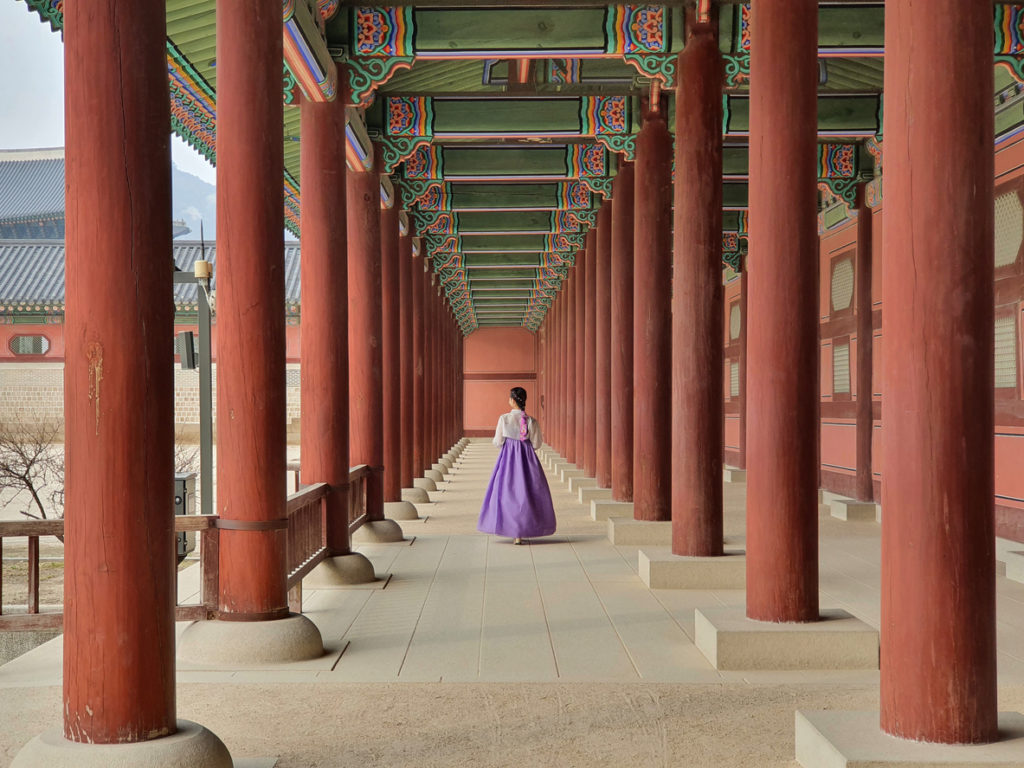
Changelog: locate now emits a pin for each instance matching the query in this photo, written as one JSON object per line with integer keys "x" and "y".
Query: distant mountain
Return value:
{"x": 193, "y": 200}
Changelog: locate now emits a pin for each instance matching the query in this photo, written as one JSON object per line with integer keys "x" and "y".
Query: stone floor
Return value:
{"x": 479, "y": 652}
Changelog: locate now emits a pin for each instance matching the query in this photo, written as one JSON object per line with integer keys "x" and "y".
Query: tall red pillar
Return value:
{"x": 590, "y": 359}
{"x": 782, "y": 340}
{"x": 556, "y": 413}
{"x": 118, "y": 381}
{"x": 603, "y": 348}
{"x": 366, "y": 400}
{"x": 744, "y": 283}
{"x": 251, "y": 446}
{"x": 324, "y": 382}
{"x": 622, "y": 334}
{"x": 429, "y": 369}
{"x": 865, "y": 350}
{"x": 938, "y": 673}
{"x": 652, "y": 321}
{"x": 697, "y": 302}
{"x": 406, "y": 364}
{"x": 418, "y": 294}
{"x": 573, "y": 359}
{"x": 391, "y": 378}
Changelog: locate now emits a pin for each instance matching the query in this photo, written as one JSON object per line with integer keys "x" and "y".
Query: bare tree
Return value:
{"x": 32, "y": 465}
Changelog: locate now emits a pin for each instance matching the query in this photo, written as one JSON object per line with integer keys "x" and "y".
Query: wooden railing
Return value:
{"x": 305, "y": 548}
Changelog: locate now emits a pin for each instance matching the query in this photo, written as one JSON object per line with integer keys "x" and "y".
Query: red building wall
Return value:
{"x": 495, "y": 360}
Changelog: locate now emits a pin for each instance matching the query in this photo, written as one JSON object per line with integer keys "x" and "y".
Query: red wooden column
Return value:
{"x": 391, "y": 378}
{"x": 744, "y": 283}
{"x": 429, "y": 370}
{"x": 118, "y": 673}
{"x": 573, "y": 352}
{"x": 556, "y": 413}
{"x": 603, "y": 348}
{"x": 416, "y": 278}
{"x": 865, "y": 349}
{"x": 406, "y": 360}
{"x": 697, "y": 302}
{"x": 622, "y": 334}
{"x": 782, "y": 332}
{"x": 652, "y": 321}
{"x": 250, "y": 327}
{"x": 589, "y": 401}
{"x": 938, "y": 674}
{"x": 366, "y": 400}
{"x": 325, "y": 312}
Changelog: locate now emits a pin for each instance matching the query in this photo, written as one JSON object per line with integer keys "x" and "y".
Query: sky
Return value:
{"x": 32, "y": 90}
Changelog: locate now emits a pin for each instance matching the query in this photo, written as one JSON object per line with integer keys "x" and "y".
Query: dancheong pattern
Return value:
{"x": 384, "y": 31}
{"x": 410, "y": 116}
{"x": 837, "y": 161}
{"x": 585, "y": 160}
{"x": 563, "y": 71}
{"x": 636, "y": 29}
{"x": 602, "y": 115}
{"x": 1009, "y": 29}
{"x": 573, "y": 195}
{"x": 424, "y": 163}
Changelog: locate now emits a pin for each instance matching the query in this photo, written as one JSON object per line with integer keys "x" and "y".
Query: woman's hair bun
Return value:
{"x": 518, "y": 394}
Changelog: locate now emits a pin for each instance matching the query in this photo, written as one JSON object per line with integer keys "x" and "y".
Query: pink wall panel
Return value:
{"x": 839, "y": 444}
{"x": 732, "y": 433}
{"x": 495, "y": 360}
{"x": 501, "y": 350}
{"x": 486, "y": 399}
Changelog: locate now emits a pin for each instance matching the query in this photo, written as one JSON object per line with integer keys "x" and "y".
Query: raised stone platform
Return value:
{"x": 850, "y": 509}
{"x": 837, "y": 739}
{"x": 602, "y": 509}
{"x": 625, "y": 531}
{"x": 568, "y": 472}
{"x": 589, "y": 495}
{"x": 660, "y": 569}
{"x": 731, "y": 641}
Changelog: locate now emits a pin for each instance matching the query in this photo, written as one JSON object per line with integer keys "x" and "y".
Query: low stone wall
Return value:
{"x": 34, "y": 392}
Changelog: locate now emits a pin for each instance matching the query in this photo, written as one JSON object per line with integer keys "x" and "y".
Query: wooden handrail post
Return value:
{"x": 33, "y": 574}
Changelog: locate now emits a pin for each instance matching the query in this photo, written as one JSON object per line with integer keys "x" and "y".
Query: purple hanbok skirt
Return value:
{"x": 518, "y": 501}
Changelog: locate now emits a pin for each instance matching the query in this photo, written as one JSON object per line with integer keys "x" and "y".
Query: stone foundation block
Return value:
{"x": 434, "y": 475}
{"x": 731, "y": 641}
{"x": 602, "y": 509}
{"x": 733, "y": 475}
{"x": 581, "y": 481}
{"x": 625, "y": 531}
{"x": 378, "y": 532}
{"x": 1015, "y": 566}
{"x": 837, "y": 739}
{"x": 849, "y": 509}
{"x": 341, "y": 571}
{"x": 660, "y": 569}
{"x": 400, "y": 510}
{"x": 240, "y": 643}
{"x": 588, "y": 495}
{"x": 416, "y": 495}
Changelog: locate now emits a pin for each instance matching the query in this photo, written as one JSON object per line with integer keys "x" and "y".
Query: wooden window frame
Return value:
{"x": 842, "y": 397}
{"x": 1013, "y": 311}
{"x": 1017, "y": 267}
{"x": 851, "y": 255}
{"x": 29, "y": 357}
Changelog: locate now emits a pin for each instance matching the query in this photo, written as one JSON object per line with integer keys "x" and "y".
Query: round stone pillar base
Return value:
{"x": 400, "y": 510}
{"x": 341, "y": 571}
{"x": 425, "y": 484}
{"x": 378, "y": 532}
{"x": 293, "y": 638}
{"x": 415, "y": 495}
{"x": 445, "y": 462}
{"x": 193, "y": 746}
{"x": 433, "y": 474}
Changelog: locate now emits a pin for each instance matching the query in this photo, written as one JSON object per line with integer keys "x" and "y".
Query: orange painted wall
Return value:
{"x": 495, "y": 360}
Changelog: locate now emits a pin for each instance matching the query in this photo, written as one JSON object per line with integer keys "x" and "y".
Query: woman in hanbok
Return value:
{"x": 518, "y": 501}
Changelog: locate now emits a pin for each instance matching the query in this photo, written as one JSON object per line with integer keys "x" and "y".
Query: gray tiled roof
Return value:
{"x": 31, "y": 184}
{"x": 32, "y": 271}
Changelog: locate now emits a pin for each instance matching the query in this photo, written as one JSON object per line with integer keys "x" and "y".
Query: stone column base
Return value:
{"x": 581, "y": 481}
{"x": 341, "y": 571}
{"x": 416, "y": 495}
{"x": 836, "y": 739}
{"x": 588, "y": 495}
{"x": 193, "y": 746}
{"x": 660, "y": 569}
{"x": 733, "y": 475}
{"x": 603, "y": 509}
{"x": 569, "y": 471}
{"x": 731, "y": 641}
{"x": 400, "y": 510}
{"x": 234, "y": 643}
{"x": 849, "y": 509}
{"x": 424, "y": 483}
{"x": 625, "y": 531}
{"x": 434, "y": 475}
{"x": 378, "y": 532}
{"x": 444, "y": 464}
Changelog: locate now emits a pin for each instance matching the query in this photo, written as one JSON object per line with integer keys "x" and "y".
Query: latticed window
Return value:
{"x": 842, "y": 284}
{"x": 734, "y": 379}
{"x": 735, "y": 321}
{"x": 841, "y": 369}
{"x": 1006, "y": 352}
{"x": 30, "y": 345}
{"x": 1009, "y": 228}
